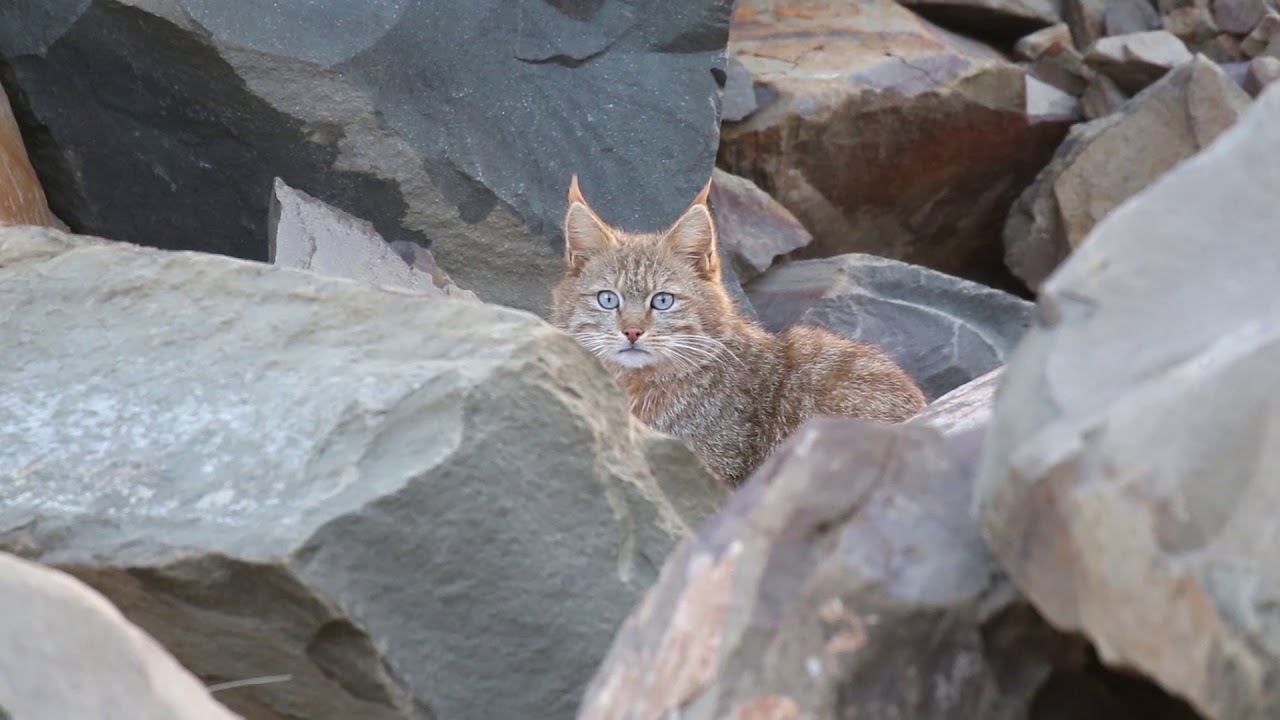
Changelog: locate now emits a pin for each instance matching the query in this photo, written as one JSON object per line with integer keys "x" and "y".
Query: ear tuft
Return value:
{"x": 693, "y": 236}
{"x": 584, "y": 232}
{"x": 704, "y": 193}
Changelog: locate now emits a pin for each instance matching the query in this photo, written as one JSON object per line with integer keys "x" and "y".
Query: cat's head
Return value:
{"x": 642, "y": 300}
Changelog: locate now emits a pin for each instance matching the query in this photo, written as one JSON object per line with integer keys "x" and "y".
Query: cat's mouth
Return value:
{"x": 632, "y": 357}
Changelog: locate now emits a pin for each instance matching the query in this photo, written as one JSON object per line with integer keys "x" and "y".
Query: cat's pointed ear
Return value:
{"x": 584, "y": 232}
{"x": 694, "y": 236}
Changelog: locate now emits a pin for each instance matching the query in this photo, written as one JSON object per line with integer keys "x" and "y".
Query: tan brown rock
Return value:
{"x": 1264, "y": 39}
{"x": 875, "y": 115}
{"x": 1137, "y": 60}
{"x": 842, "y": 581}
{"x": 1053, "y": 59}
{"x": 754, "y": 229}
{"x": 1129, "y": 483}
{"x": 22, "y": 199}
{"x": 1104, "y": 162}
{"x": 1091, "y": 20}
{"x": 1101, "y": 98}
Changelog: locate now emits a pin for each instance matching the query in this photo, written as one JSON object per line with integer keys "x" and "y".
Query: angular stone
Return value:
{"x": 414, "y": 508}
{"x": 845, "y": 579}
{"x": 738, "y": 100}
{"x": 65, "y": 652}
{"x": 1053, "y": 59}
{"x": 1129, "y": 482}
{"x": 1138, "y": 60}
{"x": 754, "y": 229}
{"x": 309, "y": 234}
{"x": 164, "y": 122}
{"x": 1104, "y": 162}
{"x": 875, "y": 114}
{"x": 1262, "y": 72}
{"x": 1191, "y": 20}
{"x": 944, "y": 331}
{"x": 1102, "y": 97}
{"x": 1265, "y": 38}
{"x": 995, "y": 20}
{"x": 1239, "y": 17}
{"x": 1092, "y": 20}
{"x": 22, "y": 200}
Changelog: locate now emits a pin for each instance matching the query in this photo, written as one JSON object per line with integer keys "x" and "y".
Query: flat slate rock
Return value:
{"x": 455, "y": 125}
{"x": 943, "y": 330}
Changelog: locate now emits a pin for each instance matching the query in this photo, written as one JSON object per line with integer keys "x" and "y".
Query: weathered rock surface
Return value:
{"x": 1129, "y": 482}
{"x": 414, "y": 508}
{"x": 754, "y": 229}
{"x": 165, "y": 122}
{"x": 1054, "y": 59}
{"x": 845, "y": 579}
{"x": 1106, "y": 161}
{"x": 22, "y": 200}
{"x": 1137, "y": 60}
{"x": 67, "y": 653}
{"x": 943, "y": 330}
{"x": 1091, "y": 20}
{"x": 1262, "y": 72}
{"x": 1005, "y": 20}
{"x": 885, "y": 134}
{"x": 309, "y": 234}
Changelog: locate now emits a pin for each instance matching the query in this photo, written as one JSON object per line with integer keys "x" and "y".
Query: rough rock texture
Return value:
{"x": 22, "y": 200}
{"x": 845, "y": 579}
{"x": 884, "y": 134}
{"x": 309, "y": 234}
{"x": 1262, "y": 72}
{"x": 943, "y": 330}
{"x": 1137, "y": 60}
{"x": 1101, "y": 97}
{"x": 1004, "y": 20}
{"x": 415, "y": 508}
{"x": 451, "y": 124}
{"x": 1054, "y": 59}
{"x": 754, "y": 229}
{"x": 1129, "y": 483}
{"x": 65, "y": 653}
{"x": 1265, "y": 38}
{"x": 1091, "y": 20}
{"x": 1105, "y": 161}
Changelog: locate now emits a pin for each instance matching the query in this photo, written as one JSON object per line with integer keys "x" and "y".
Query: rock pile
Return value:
{"x": 367, "y": 480}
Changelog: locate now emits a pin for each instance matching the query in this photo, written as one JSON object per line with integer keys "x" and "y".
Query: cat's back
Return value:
{"x": 834, "y": 375}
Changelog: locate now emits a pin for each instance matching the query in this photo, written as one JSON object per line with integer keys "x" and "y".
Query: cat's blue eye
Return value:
{"x": 662, "y": 301}
{"x": 608, "y": 299}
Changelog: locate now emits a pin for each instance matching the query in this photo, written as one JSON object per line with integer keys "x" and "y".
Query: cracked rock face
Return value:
{"x": 414, "y": 508}
{"x": 163, "y": 122}
{"x": 944, "y": 331}
{"x": 1130, "y": 480}
{"x": 887, "y": 135}
{"x": 845, "y": 579}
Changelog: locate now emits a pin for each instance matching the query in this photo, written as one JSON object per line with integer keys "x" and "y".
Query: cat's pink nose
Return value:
{"x": 633, "y": 334}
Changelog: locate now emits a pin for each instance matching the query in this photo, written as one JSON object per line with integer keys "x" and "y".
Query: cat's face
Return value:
{"x": 641, "y": 300}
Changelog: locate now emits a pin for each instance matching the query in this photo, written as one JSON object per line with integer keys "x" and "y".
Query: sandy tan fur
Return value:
{"x": 701, "y": 371}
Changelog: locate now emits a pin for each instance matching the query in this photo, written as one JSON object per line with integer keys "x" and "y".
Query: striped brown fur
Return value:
{"x": 699, "y": 369}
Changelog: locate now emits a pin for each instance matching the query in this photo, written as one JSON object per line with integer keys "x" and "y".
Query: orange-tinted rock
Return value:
{"x": 22, "y": 200}
{"x": 885, "y": 134}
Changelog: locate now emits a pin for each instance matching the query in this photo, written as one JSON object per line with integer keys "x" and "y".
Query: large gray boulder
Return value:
{"x": 844, "y": 580}
{"x": 943, "y": 330}
{"x": 413, "y": 507}
{"x": 450, "y": 124}
{"x": 1130, "y": 480}
{"x": 65, "y": 652}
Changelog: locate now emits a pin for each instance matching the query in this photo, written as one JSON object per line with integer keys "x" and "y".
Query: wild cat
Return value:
{"x": 652, "y": 308}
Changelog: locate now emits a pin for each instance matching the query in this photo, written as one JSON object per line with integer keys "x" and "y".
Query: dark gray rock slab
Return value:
{"x": 943, "y": 330}
{"x": 414, "y": 508}
{"x": 453, "y": 125}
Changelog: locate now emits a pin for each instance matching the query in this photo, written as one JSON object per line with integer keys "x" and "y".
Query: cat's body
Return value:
{"x": 653, "y": 309}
